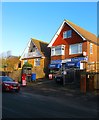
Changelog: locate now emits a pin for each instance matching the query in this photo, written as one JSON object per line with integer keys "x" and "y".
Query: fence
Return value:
{"x": 92, "y": 67}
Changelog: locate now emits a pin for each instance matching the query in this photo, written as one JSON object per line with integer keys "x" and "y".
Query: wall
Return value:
{"x": 92, "y": 57}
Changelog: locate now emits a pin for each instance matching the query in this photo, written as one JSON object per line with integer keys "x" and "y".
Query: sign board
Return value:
{"x": 66, "y": 60}
{"x": 56, "y": 61}
{"x": 54, "y": 65}
{"x": 79, "y": 59}
{"x": 73, "y": 64}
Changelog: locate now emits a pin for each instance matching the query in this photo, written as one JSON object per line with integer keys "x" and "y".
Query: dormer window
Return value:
{"x": 67, "y": 34}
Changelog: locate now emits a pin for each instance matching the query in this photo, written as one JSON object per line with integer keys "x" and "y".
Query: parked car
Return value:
{"x": 8, "y": 84}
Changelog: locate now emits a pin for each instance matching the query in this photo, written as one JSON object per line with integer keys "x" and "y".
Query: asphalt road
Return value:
{"x": 47, "y": 102}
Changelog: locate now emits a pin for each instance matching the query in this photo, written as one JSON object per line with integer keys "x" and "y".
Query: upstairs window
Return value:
{"x": 37, "y": 62}
{"x": 91, "y": 48}
{"x": 67, "y": 34}
{"x": 25, "y": 61}
{"x": 75, "y": 49}
{"x": 58, "y": 50}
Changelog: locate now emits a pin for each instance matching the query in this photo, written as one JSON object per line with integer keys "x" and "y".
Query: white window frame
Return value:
{"x": 91, "y": 48}
{"x": 52, "y": 51}
{"x": 55, "y": 52}
{"x": 67, "y": 34}
{"x": 37, "y": 60}
{"x": 78, "y": 47}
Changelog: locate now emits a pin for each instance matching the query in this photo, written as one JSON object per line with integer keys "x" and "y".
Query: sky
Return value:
{"x": 22, "y": 21}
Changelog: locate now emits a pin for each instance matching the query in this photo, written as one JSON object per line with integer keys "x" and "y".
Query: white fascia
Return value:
{"x": 26, "y": 49}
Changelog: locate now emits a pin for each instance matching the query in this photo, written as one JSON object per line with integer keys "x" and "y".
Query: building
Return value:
{"x": 38, "y": 54}
{"x": 71, "y": 44}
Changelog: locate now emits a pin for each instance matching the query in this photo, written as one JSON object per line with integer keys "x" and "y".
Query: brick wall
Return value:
{"x": 92, "y": 57}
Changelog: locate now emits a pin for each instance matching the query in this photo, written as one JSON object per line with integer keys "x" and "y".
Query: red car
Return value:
{"x": 8, "y": 84}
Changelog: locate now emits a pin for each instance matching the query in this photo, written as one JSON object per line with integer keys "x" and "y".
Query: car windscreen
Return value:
{"x": 7, "y": 79}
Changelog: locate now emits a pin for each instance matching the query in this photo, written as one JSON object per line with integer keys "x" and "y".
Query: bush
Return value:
{"x": 27, "y": 65}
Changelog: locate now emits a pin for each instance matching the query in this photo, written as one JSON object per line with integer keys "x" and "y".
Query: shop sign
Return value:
{"x": 79, "y": 59}
{"x": 56, "y": 61}
{"x": 54, "y": 65}
{"x": 66, "y": 60}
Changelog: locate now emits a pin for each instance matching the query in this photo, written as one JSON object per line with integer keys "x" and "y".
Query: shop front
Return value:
{"x": 72, "y": 67}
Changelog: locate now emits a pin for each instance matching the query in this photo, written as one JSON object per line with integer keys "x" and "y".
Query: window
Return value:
{"x": 25, "y": 61}
{"x": 52, "y": 51}
{"x": 75, "y": 49}
{"x": 91, "y": 48}
{"x": 67, "y": 34}
{"x": 37, "y": 62}
{"x": 58, "y": 50}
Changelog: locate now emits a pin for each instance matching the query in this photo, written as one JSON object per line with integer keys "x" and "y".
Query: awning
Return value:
{"x": 53, "y": 66}
{"x": 73, "y": 64}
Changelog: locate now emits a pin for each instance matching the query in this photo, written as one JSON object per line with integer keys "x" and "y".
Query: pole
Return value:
{"x": 64, "y": 74}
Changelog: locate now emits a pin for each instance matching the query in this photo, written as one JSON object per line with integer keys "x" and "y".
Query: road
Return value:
{"x": 46, "y": 102}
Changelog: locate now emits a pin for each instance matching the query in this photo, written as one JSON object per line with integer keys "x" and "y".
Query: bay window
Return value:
{"x": 58, "y": 50}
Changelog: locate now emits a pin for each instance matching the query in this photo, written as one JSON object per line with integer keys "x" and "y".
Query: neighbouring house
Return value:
{"x": 72, "y": 43}
{"x": 10, "y": 63}
{"x": 10, "y": 67}
{"x": 37, "y": 54}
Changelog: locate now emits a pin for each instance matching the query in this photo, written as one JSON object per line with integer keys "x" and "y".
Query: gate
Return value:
{"x": 72, "y": 76}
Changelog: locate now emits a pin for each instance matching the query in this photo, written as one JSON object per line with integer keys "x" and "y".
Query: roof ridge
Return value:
{"x": 39, "y": 40}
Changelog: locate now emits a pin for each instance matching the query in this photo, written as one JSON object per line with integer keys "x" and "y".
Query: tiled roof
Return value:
{"x": 42, "y": 47}
{"x": 86, "y": 34}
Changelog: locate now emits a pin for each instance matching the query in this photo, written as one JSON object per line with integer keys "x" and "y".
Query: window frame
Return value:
{"x": 36, "y": 62}
{"x": 55, "y": 53}
{"x": 67, "y": 34}
{"x": 91, "y": 48}
{"x": 79, "y": 48}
